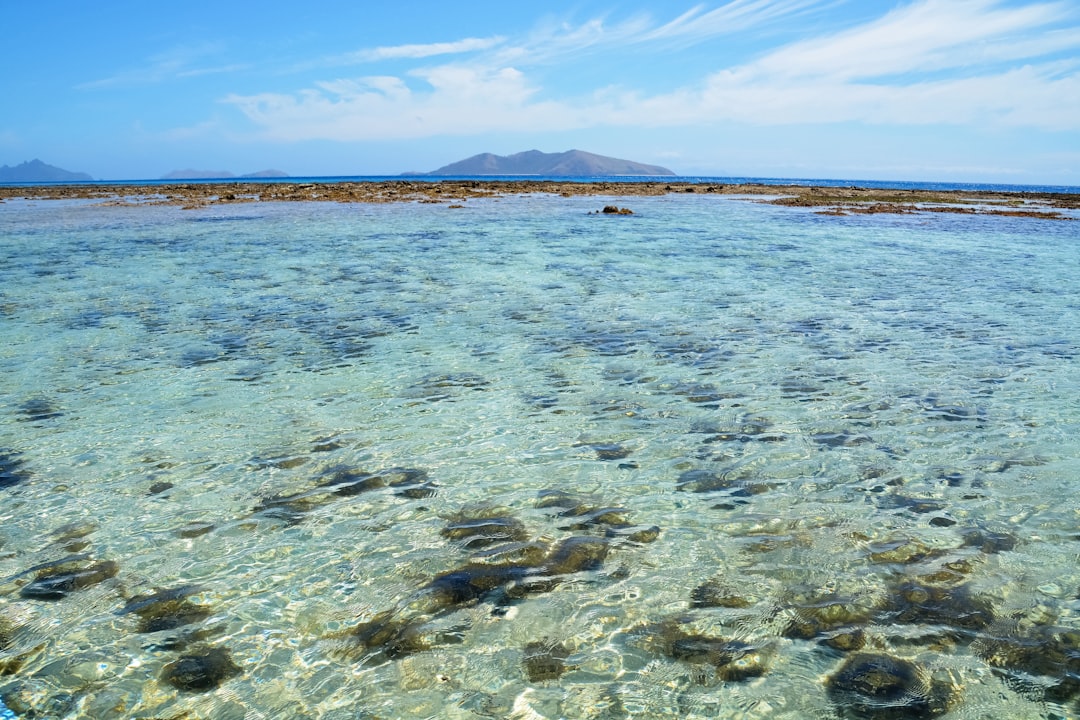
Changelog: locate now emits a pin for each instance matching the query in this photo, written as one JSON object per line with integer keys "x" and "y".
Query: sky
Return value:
{"x": 935, "y": 90}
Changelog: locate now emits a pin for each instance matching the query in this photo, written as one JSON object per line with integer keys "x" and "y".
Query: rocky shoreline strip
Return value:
{"x": 827, "y": 200}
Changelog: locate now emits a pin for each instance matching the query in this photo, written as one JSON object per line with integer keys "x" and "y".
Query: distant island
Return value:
{"x": 190, "y": 174}
{"x": 572, "y": 163}
{"x": 37, "y": 171}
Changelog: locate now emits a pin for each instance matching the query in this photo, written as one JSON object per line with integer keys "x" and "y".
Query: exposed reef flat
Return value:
{"x": 827, "y": 200}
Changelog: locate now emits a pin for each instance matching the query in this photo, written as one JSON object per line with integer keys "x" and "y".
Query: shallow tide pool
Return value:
{"x": 712, "y": 459}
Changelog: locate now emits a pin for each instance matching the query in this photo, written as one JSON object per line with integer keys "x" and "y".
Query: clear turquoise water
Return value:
{"x": 808, "y": 408}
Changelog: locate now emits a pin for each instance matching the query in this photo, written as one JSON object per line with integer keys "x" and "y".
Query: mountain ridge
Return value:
{"x": 191, "y": 174}
{"x": 37, "y": 171}
{"x": 572, "y": 163}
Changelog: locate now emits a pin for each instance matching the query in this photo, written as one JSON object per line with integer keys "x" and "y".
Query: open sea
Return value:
{"x": 715, "y": 459}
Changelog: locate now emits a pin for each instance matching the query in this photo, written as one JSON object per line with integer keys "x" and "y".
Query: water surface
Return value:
{"x": 281, "y": 413}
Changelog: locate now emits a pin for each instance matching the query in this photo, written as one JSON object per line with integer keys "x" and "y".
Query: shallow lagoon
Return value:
{"x": 289, "y": 443}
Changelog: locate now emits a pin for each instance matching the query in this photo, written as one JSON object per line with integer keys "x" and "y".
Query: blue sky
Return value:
{"x": 964, "y": 90}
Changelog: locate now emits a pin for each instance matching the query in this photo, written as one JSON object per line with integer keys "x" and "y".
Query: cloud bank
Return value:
{"x": 960, "y": 62}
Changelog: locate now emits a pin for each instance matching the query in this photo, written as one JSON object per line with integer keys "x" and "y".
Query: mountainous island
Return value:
{"x": 37, "y": 171}
{"x": 572, "y": 163}
{"x": 189, "y": 174}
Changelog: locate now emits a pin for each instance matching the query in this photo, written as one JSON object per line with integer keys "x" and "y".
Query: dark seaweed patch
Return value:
{"x": 545, "y": 660}
{"x": 394, "y": 634}
{"x": 345, "y": 482}
{"x": 470, "y": 583}
{"x": 344, "y": 344}
{"x": 86, "y": 319}
{"x": 913, "y": 602}
{"x": 562, "y": 500}
{"x": 988, "y": 541}
{"x": 731, "y": 482}
{"x": 716, "y": 593}
{"x": 196, "y": 356}
{"x": 389, "y": 635}
{"x": 443, "y": 387}
{"x": 57, "y": 580}
{"x": 327, "y": 445}
{"x": 802, "y": 391}
{"x": 608, "y": 343}
{"x": 704, "y": 394}
{"x": 289, "y": 509}
{"x": 284, "y": 462}
{"x": 918, "y": 506}
{"x": 12, "y": 471}
{"x": 748, "y": 428}
{"x": 876, "y": 686}
{"x": 1042, "y": 661}
{"x": 732, "y": 660}
{"x": 72, "y": 537}
{"x": 952, "y": 412}
{"x": 832, "y": 620}
{"x": 195, "y": 529}
{"x": 638, "y": 534}
{"x": 610, "y": 451}
{"x": 840, "y": 439}
{"x": 504, "y": 569}
{"x": 480, "y": 531}
{"x": 541, "y": 402}
{"x": 901, "y": 551}
{"x": 580, "y": 512}
{"x": 577, "y": 554}
{"x": 201, "y": 670}
{"x": 39, "y": 409}
{"x": 808, "y": 327}
{"x": 409, "y": 482}
{"x": 693, "y": 353}
{"x": 166, "y": 609}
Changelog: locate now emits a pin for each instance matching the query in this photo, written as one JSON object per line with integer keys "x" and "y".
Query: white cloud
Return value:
{"x": 1032, "y": 96}
{"x": 880, "y": 72}
{"x": 409, "y": 52}
{"x": 461, "y": 100}
{"x": 975, "y": 62}
{"x": 923, "y": 36}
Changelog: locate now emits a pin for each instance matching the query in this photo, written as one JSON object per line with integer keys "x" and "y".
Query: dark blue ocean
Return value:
{"x": 515, "y": 460}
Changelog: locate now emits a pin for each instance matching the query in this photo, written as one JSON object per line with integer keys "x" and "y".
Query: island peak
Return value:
{"x": 572, "y": 163}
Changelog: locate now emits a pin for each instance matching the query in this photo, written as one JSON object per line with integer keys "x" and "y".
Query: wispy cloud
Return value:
{"x": 206, "y": 129}
{"x": 176, "y": 63}
{"x": 552, "y": 42}
{"x": 890, "y": 71}
{"x": 697, "y": 23}
{"x": 976, "y": 62}
{"x": 922, "y": 36}
{"x": 215, "y": 70}
{"x": 466, "y": 45}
